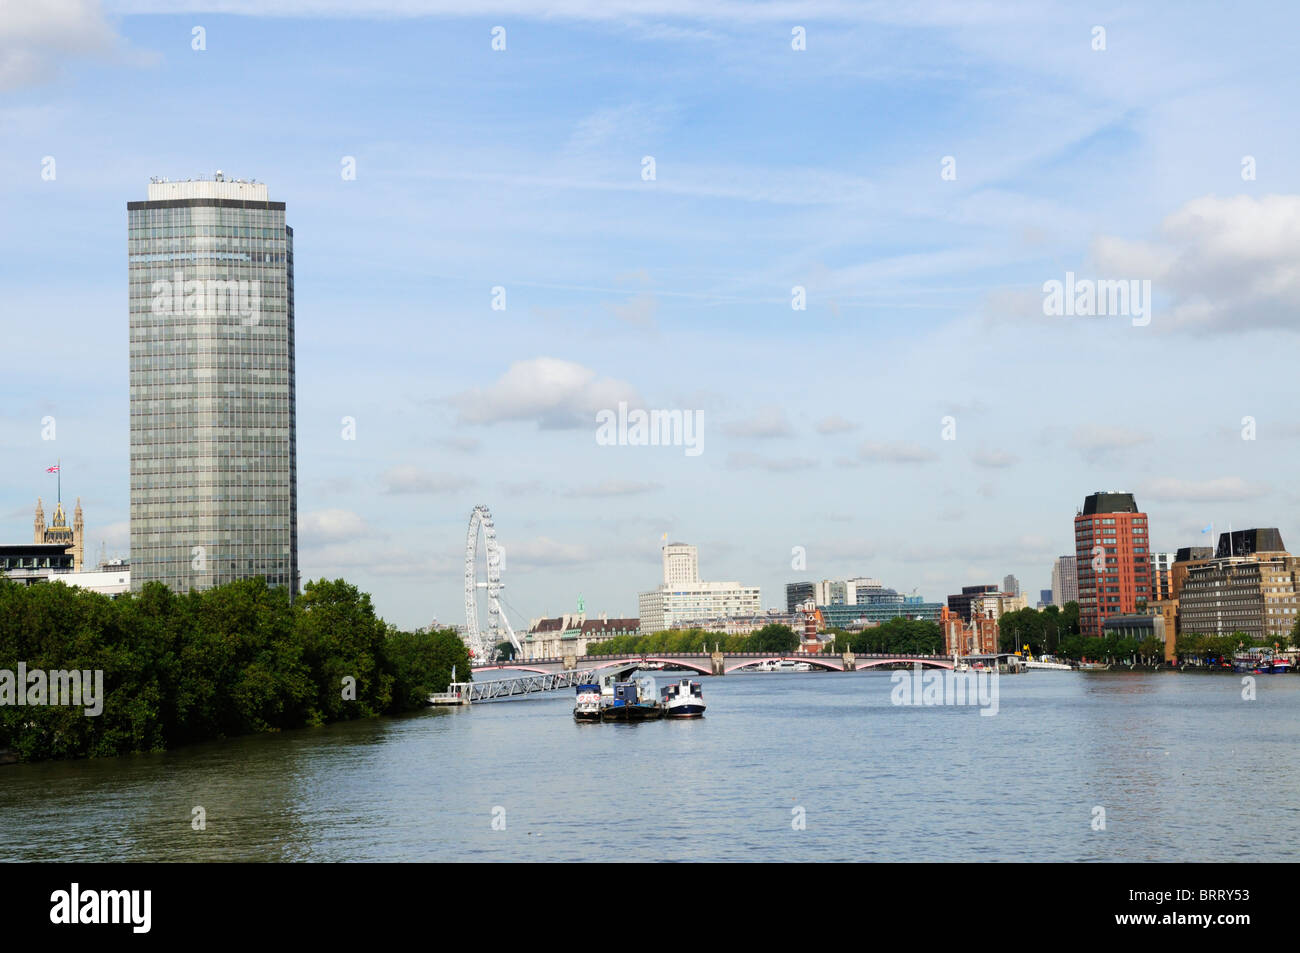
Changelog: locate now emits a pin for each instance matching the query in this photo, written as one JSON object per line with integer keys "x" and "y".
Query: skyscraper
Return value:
{"x": 1112, "y": 559}
{"x": 1010, "y": 585}
{"x": 1065, "y": 584}
{"x": 214, "y": 481}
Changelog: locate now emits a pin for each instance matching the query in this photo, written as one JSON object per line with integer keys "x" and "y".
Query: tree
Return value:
{"x": 773, "y": 637}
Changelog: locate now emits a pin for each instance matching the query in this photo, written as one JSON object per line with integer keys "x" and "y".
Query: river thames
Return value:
{"x": 784, "y": 767}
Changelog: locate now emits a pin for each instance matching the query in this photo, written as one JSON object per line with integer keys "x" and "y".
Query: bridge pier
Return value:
{"x": 850, "y": 664}
{"x": 718, "y": 662}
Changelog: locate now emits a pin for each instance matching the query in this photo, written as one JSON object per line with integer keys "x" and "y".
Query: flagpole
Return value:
{"x": 60, "y": 472}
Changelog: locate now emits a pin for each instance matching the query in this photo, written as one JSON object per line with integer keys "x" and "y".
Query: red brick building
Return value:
{"x": 977, "y": 637}
{"x": 1112, "y": 559}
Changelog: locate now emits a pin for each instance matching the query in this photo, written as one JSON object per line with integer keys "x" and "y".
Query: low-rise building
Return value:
{"x": 1140, "y": 628}
{"x": 572, "y": 634}
{"x": 32, "y": 563}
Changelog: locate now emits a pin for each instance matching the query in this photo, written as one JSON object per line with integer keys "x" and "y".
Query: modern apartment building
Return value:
{"x": 213, "y": 441}
{"x": 1112, "y": 559}
{"x": 683, "y": 597}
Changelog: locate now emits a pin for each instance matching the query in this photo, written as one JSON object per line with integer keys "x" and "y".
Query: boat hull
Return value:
{"x": 631, "y": 713}
{"x": 685, "y": 711}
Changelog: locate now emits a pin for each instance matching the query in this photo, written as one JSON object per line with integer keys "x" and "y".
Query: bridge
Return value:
{"x": 550, "y": 674}
{"x": 718, "y": 663}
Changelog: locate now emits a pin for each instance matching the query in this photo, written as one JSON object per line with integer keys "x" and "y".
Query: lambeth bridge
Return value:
{"x": 550, "y": 674}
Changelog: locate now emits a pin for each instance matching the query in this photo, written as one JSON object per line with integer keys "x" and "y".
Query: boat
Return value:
{"x": 1046, "y": 663}
{"x": 683, "y": 700}
{"x": 632, "y": 701}
{"x": 1258, "y": 663}
{"x": 586, "y": 706}
{"x": 1094, "y": 666}
{"x": 781, "y": 665}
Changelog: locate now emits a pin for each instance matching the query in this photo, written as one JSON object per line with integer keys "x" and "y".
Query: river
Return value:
{"x": 784, "y": 767}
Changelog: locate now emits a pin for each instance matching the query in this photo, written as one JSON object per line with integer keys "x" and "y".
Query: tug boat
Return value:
{"x": 586, "y": 706}
{"x": 632, "y": 701}
{"x": 683, "y": 700}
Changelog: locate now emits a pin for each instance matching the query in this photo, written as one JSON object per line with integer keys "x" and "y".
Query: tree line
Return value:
{"x": 775, "y": 638}
{"x": 233, "y": 660}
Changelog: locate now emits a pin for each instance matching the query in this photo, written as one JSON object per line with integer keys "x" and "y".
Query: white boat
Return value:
{"x": 683, "y": 700}
{"x": 1049, "y": 666}
{"x": 781, "y": 665}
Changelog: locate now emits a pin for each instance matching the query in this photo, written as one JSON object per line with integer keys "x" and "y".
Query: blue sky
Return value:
{"x": 774, "y": 168}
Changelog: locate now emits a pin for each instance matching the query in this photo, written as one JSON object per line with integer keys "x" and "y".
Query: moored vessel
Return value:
{"x": 632, "y": 701}
{"x": 683, "y": 700}
{"x": 586, "y": 706}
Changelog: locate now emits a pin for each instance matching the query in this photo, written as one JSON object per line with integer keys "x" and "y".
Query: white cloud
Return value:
{"x": 1220, "y": 490}
{"x": 993, "y": 459}
{"x": 835, "y": 424}
{"x": 752, "y": 461}
{"x": 1097, "y": 442}
{"x": 766, "y": 423}
{"x": 37, "y": 39}
{"x": 1226, "y": 264}
{"x": 411, "y": 479}
{"x": 331, "y": 526}
{"x": 554, "y": 393}
{"x": 615, "y": 488}
{"x": 880, "y": 452}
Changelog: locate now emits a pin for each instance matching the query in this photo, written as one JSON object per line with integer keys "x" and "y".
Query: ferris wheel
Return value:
{"x": 483, "y": 644}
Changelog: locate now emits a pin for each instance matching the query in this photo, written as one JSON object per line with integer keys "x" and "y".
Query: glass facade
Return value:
{"x": 213, "y": 431}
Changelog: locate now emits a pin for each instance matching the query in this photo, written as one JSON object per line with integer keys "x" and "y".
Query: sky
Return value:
{"x": 647, "y": 183}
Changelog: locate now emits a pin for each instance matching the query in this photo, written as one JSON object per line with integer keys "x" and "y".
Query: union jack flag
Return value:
{"x": 51, "y": 469}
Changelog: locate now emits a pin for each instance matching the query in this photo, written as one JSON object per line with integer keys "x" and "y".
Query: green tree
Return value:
{"x": 773, "y": 637}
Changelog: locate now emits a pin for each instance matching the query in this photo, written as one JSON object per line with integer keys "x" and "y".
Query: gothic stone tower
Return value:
{"x": 59, "y": 532}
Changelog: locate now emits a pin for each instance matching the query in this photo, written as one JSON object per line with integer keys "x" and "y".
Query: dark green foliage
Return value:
{"x": 898, "y": 635}
{"x": 229, "y": 661}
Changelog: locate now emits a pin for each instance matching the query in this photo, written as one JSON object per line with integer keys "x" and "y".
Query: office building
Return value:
{"x": 1112, "y": 559}
{"x": 1162, "y": 565}
{"x": 681, "y": 564}
{"x": 797, "y": 593}
{"x": 213, "y": 440}
{"x": 1254, "y": 592}
{"x": 683, "y": 597}
{"x": 1065, "y": 584}
{"x": 960, "y": 603}
{"x": 1011, "y": 585}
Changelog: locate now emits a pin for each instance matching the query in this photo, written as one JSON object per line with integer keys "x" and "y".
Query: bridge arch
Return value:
{"x": 861, "y": 663}
{"x": 694, "y": 666}
{"x": 818, "y": 661}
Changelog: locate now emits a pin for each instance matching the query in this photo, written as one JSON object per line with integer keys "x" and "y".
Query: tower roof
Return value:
{"x": 1105, "y": 501}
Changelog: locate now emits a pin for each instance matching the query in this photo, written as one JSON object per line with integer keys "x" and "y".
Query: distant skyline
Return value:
{"x": 774, "y": 169}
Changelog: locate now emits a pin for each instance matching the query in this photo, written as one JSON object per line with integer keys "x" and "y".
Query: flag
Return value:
{"x": 51, "y": 469}
{"x": 1208, "y": 528}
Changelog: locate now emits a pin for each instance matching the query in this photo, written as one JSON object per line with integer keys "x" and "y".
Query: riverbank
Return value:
{"x": 172, "y": 670}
